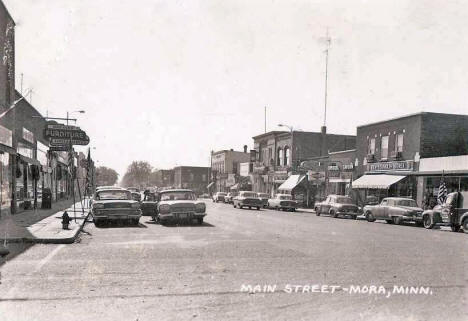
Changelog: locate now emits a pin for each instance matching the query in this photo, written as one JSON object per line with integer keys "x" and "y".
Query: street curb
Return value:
{"x": 68, "y": 240}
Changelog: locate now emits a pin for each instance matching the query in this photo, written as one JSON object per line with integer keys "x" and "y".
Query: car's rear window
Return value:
{"x": 344, "y": 200}
{"x": 262, "y": 195}
{"x": 249, "y": 194}
{"x": 285, "y": 197}
{"x": 113, "y": 195}
{"x": 222, "y": 194}
{"x": 178, "y": 196}
{"x": 409, "y": 203}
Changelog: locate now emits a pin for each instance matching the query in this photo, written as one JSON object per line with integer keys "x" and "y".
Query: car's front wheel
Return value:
{"x": 396, "y": 220}
{"x": 333, "y": 214}
{"x": 428, "y": 222}
{"x": 370, "y": 217}
{"x": 455, "y": 227}
{"x": 258, "y": 208}
{"x": 465, "y": 225}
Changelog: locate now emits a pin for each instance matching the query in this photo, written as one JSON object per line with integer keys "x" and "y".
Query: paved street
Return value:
{"x": 155, "y": 272}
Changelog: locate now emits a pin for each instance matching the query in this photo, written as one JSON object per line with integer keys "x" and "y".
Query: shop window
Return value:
{"x": 5, "y": 181}
{"x": 399, "y": 143}
{"x": 371, "y": 147}
{"x": 279, "y": 157}
{"x": 287, "y": 157}
{"x": 384, "y": 147}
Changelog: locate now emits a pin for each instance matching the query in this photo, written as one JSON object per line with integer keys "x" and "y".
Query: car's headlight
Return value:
{"x": 135, "y": 205}
{"x": 98, "y": 205}
{"x": 164, "y": 208}
{"x": 201, "y": 207}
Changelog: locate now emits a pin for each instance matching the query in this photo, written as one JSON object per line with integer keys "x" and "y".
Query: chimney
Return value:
{"x": 324, "y": 145}
{"x": 232, "y": 149}
{"x": 245, "y": 148}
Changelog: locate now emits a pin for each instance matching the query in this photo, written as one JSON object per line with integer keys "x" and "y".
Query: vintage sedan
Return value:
{"x": 149, "y": 204}
{"x": 115, "y": 205}
{"x": 394, "y": 210}
{"x": 228, "y": 198}
{"x": 247, "y": 199}
{"x": 219, "y": 197}
{"x": 283, "y": 202}
{"x": 453, "y": 212}
{"x": 264, "y": 198}
{"x": 337, "y": 205}
{"x": 179, "y": 204}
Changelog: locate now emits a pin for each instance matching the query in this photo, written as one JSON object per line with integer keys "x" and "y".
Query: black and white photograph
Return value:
{"x": 233, "y": 160}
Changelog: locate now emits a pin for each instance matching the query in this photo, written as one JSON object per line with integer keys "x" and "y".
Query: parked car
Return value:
{"x": 264, "y": 198}
{"x": 394, "y": 210}
{"x": 336, "y": 205}
{"x": 228, "y": 198}
{"x": 149, "y": 204}
{"x": 205, "y": 195}
{"x": 247, "y": 199}
{"x": 282, "y": 202}
{"x": 136, "y": 196}
{"x": 115, "y": 205}
{"x": 219, "y": 197}
{"x": 453, "y": 212}
{"x": 179, "y": 204}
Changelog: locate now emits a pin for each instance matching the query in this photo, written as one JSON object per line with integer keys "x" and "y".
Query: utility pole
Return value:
{"x": 328, "y": 42}
{"x": 265, "y": 118}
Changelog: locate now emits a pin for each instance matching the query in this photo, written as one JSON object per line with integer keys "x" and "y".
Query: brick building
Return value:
{"x": 192, "y": 177}
{"x": 225, "y": 169}
{"x": 389, "y": 152}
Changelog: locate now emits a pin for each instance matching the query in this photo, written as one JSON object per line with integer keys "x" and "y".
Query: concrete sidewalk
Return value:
{"x": 46, "y": 230}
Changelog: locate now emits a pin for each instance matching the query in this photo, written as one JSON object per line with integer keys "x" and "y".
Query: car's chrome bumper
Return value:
{"x": 121, "y": 215}
{"x": 411, "y": 218}
{"x": 181, "y": 216}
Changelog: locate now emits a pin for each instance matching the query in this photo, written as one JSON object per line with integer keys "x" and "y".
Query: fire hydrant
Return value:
{"x": 65, "y": 220}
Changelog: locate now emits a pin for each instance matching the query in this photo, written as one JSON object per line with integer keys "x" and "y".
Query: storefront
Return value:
{"x": 45, "y": 172}
{"x": 61, "y": 175}
{"x": 298, "y": 187}
{"x": 7, "y": 154}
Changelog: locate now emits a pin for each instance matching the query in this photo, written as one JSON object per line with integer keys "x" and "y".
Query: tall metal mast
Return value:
{"x": 328, "y": 42}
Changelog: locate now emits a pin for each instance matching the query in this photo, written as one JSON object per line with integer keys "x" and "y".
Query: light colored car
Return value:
{"x": 282, "y": 202}
{"x": 219, "y": 197}
{"x": 228, "y": 198}
{"x": 114, "y": 205}
{"x": 337, "y": 205}
{"x": 247, "y": 199}
{"x": 264, "y": 198}
{"x": 394, "y": 210}
{"x": 180, "y": 204}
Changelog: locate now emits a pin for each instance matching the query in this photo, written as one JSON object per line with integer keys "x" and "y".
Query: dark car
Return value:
{"x": 149, "y": 204}
{"x": 337, "y": 205}
{"x": 179, "y": 204}
{"x": 453, "y": 212}
{"x": 394, "y": 210}
{"x": 115, "y": 205}
{"x": 264, "y": 198}
{"x": 219, "y": 197}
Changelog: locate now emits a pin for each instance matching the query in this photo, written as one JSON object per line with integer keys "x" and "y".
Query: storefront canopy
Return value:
{"x": 235, "y": 186}
{"x": 210, "y": 184}
{"x": 291, "y": 182}
{"x": 376, "y": 181}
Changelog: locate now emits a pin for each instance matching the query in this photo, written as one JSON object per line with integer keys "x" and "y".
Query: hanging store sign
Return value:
{"x": 64, "y": 135}
{"x": 391, "y": 166}
{"x": 67, "y": 142}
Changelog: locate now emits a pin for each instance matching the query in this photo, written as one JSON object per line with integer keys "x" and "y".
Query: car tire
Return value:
{"x": 428, "y": 222}
{"x": 200, "y": 220}
{"x": 293, "y": 209}
{"x": 317, "y": 211}
{"x": 465, "y": 225}
{"x": 455, "y": 227}
{"x": 389, "y": 221}
{"x": 370, "y": 217}
{"x": 354, "y": 217}
{"x": 240, "y": 206}
{"x": 396, "y": 220}
{"x": 258, "y": 208}
{"x": 234, "y": 205}
{"x": 333, "y": 214}
{"x": 250, "y": 207}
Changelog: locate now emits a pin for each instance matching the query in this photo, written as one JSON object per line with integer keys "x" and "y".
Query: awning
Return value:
{"x": 339, "y": 180}
{"x": 376, "y": 181}
{"x": 7, "y": 149}
{"x": 235, "y": 186}
{"x": 210, "y": 184}
{"x": 28, "y": 160}
{"x": 291, "y": 182}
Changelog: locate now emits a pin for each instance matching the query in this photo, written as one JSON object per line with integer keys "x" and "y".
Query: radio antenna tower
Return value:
{"x": 328, "y": 43}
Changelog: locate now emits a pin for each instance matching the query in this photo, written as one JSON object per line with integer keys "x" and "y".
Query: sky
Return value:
{"x": 169, "y": 81}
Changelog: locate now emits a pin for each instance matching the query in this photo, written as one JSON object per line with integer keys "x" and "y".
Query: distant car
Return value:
{"x": 219, "y": 197}
{"x": 282, "y": 202}
{"x": 247, "y": 199}
{"x": 179, "y": 204}
{"x": 337, "y": 205}
{"x": 228, "y": 198}
{"x": 394, "y": 210}
{"x": 149, "y": 204}
{"x": 115, "y": 205}
{"x": 205, "y": 195}
{"x": 264, "y": 198}
{"x": 453, "y": 212}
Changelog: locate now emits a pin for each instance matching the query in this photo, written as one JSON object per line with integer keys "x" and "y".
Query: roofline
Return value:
{"x": 273, "y": 132}
{"x": 8, "y": 12}
{"x": 342, "y": 152}
{"x": 408, "y": 116}
{"x": 228, "y": 151}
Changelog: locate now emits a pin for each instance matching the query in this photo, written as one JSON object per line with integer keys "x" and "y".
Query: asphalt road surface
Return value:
{"x": 323, "y": 269}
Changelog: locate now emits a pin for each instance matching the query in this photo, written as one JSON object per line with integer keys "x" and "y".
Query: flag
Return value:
{"x": 442, "y": 195}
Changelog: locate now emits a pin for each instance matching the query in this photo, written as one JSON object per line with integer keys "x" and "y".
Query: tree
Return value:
{"x": 106, "y": 176}
{"x": 138, "y": 174}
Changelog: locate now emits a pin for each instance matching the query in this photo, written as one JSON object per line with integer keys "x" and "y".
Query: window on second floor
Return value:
{"x": 279, "y": 157}
{"x": 287, "y": 157}
{"x": 384, "y": 147}
{"x": 399, "y": 143}
{"x": 371, "y": 147}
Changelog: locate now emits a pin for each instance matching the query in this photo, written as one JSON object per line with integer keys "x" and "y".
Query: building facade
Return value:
{"x": 389, "y": 153}
{"x": 164, "y": 178}
{"x": 191, "y": 177}
{"x": 225, "y": 169}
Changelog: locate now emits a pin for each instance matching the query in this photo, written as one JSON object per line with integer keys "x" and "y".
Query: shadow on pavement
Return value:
{"x": 15, "y": 249}
{"x": 186, "y": 224}
{"x": 117, "y": 225}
